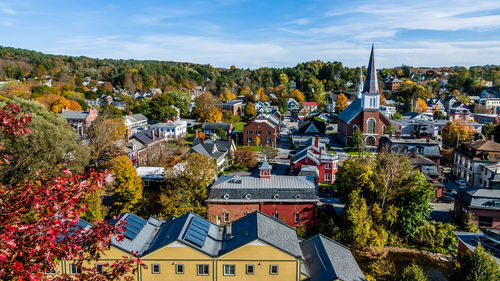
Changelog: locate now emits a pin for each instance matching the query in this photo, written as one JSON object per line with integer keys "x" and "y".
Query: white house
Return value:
{"x": 136, "y": 122}
{"x": 293, "y": 105}
{"x": 388, "y": 110}
{"x": 172, "y": 129}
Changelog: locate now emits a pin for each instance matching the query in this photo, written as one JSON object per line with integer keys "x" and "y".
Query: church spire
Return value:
{"x": 371, "y": 83}
{"x": 360, "y": 83}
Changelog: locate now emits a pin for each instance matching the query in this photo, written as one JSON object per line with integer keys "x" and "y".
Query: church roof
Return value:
{"x": 351, "y": 111}
{"x": 371, "y": 82}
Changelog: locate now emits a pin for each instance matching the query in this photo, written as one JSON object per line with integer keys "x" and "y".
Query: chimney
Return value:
{"x": 173, "y": 119}
{"x": 229, "y": 232}
{"x": 129, "y": 112}
{"x": 228, "y": 137}
{"x": 415, "y": 153}
{"x": 398, "y": 135}
{"x": 196, "y": 134}
{"x": 153, "y": 134}
{"x": 316, "y": 141}
{"x": 320, "y": 151}
{"x": 492, "y": 137}
{"x": 159, "y": 133}
{"x": 127, "y": 135}
{"x": 427, "y": 139}
{"x": 166, "y": 120}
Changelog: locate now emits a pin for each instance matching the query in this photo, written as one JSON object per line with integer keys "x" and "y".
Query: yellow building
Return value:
{"x": 255, "y": 247}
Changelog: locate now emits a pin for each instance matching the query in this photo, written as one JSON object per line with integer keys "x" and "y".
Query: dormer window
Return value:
{"x": 276, "y": 196}
{"x": 248, "y": 196}
{"x": 296, "y": 196}
{"x": 226, "y": 196}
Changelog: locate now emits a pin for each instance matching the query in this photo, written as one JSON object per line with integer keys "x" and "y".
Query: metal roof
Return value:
{"x": 75, "y": 114}
{"x": 371, "y": 82}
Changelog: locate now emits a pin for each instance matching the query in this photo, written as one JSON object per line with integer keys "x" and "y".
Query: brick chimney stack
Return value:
{"x": 316, "y": 141}
{"x": 153, "y": 134}
{"x": 427, "y": 139}
{"x": 159, "y": 133}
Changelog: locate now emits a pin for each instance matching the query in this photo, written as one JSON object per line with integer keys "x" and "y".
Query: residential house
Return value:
{"x": 293, "y": 105}
{"x": 308, "y": 107}
{"x": 210, "y": 128}
{"x": 482, "y": 203}
{"x": 172, "y": 129}
{"x": 486, "y": 118}
{"x": 144, "y": 146}
{"x": 364, "y": 112}
{"x": 429, "y": 169}
{"x": 426, "y": 147}
{"x": 136, "y": 122}
{"x": 234, "y": 106}
{"x": 469, "y": 157}
{"x": 311, "y": 127}
{"x": 388, "y": 111}
{"x": 314, "y": 157}
{"x": 417, "y": 116}
{"x": 392, "y": 84}
{"x": 291, "y": 199}
{"x": 121, "y": 105}
{"x": 449, "y": 102}
{"x": 490, "y": 176}
{"x": 262, "y": 130}
{"x": 489, "y": 94}
{"x": 434, "y": 104}
{"x": 460, "y": 113}
{"x": 219, "y": 150}
{"x": 80, "y": 120}
{"x": 254, "y": 247}
{"x": 491, "y": 103}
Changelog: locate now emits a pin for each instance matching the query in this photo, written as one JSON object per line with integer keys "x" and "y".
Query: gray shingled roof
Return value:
{"x": 75, "y": 114}
{"x": 215, "y": 126}
{"x": 371, "y": 82}
{"x": 328, "y": 260}
{"x": 351, "y": 111}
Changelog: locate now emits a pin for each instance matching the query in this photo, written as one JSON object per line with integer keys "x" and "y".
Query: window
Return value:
{"x": 371, "y": 126}
{"x": 202, "y": 269}
{"x": 268, "y": 140}
{"x": 249, "y": 132}
{"x": 179, "y": 269}
{"x": 155, "y": 268}
{"x": 250, "y": 268}
{"x": 229, "y": 269}
{"x": 249, "y": 140}
{"x": 276, "y": 215}
{"x": 259, "y": 132}
{"x": 307, "y": 160}
{"x": 73, "y": 269}
{"x": 226, "y": 216}
{"x": 328, "y": 166}
{"x": 485, "y": 221}
{"x": 327, "y": 177}
{"x": 420, "y": 150}
{"x": 51, "y": 272}
{"x": 273, "y": 269}
{"x": 268, "y": 132}
{"x": 98, "y": 267}
{"x": 297, "y": 217}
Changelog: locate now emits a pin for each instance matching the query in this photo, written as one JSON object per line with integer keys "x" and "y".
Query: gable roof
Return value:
{"x": 75, "y": 114}
{"x": 215, "y": 126}
{"x": 351, "y": 111}
{"x": 328, "y": 260}
{"x": 146, "y": 137}
{"x": 135, "y": 118}
{"x": 305, "y": 125}
{"x": 210, "y": 148}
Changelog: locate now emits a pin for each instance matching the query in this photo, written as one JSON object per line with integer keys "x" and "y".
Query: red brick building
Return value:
{"x": 392, "y": 84}
{"x": 145, "y": 146}
{"x": 291, "y": 199}
{"x": 482, "y": 203}
{"x": 80, "y": 120}
{"x": 265, "y": 127}
{"x": 364, "y": 112}
{"x": 313, "y": 157}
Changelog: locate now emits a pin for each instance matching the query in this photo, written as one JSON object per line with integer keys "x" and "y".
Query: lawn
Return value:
{"x": 238, "y": 126}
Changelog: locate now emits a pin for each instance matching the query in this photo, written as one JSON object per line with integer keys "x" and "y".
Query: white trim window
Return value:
{"x": 155, "y": 268}
{"x": 297, "y": 217}
{"x": 328, "y": 166}
{"x": 328, "y": 177}
{"x": 202, "y": 269}
{"x": 250, "y": 269}
{"x": 229, "y": 269}
{"x": 74, "y": 269}
{"x": 179, "y": 269}
{"x": 273, "y": 269}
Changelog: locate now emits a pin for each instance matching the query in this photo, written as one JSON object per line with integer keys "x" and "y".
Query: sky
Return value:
{"x": 252, "y": 34}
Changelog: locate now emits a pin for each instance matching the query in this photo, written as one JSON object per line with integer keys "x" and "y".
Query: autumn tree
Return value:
{"x": 298, "y": 96}
{"x": 38, "y": 219}
{"x": 56, "y": 103}
{"x": 243, "y": 158}
{"x": 340, "y": 103}
{"x": 357, "y": 136}
{"x": 127, "y": 185}
{"x": 414, "y": 272}
{"x": 257, "y": 141}
{"x": 227, "y": 95}
{"x": 202, "y": 102}
{"x": 107, "y": 138}
{"x": 211, "y": 113}
{"x": 186, "y": 187}
{"x": 421, "y": 106}
{"x": 455, "y": 132}
{"x": 250, "y": 111}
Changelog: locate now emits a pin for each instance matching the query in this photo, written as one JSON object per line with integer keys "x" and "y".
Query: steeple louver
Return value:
{"x": 371, "y": 83}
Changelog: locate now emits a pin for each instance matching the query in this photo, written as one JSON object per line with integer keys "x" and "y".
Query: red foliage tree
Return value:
{"x": 39, "y": 221}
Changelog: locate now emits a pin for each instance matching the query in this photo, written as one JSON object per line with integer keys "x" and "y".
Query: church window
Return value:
{"x": 371, "y": 126}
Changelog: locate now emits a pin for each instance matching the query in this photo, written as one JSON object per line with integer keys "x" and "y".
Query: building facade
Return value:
{"x": 136, "y": 122}
{"x": 470, "y": 157}
{"x": 262, "y": 130}
{"x": 364, "y": 112}
{"x": 291, "y": 199}
{"x": 315, "y": 157}
{"x": 80, "y": 120}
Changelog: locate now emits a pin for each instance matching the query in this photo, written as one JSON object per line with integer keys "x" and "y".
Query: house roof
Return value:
{"x": 288, "y": 188}
{"x": 146, "y": 137}
{"x": 351, "y": 111}
{"x": 75, "y": 114}
{"x": 210, "y": 148}
{"x": 490, "y": 244}
{"x": 328, "y": 260}
{"x": 215, "y": 126}
{"x": 307, "y": 126}
{"x": 484, "y": 150}
{"x": 135, "y": 118}
{"x": 292, "y": 100}
{"x": 310, "y": 103}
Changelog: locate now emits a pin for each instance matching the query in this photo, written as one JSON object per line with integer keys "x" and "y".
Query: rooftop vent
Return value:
{"x": 226, "y": 196}
{"x": 248, "y": 196}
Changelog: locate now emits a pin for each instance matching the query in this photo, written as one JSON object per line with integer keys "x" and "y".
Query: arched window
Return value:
{"x": 370, "y": 141}
{"x": 370, "y": 126}
{"x": 354, "y": 127}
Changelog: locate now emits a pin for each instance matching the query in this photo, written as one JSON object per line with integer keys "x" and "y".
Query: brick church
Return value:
{"x": 364, "y": 112}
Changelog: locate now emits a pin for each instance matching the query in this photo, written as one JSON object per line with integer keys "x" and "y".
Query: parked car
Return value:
{"x": 461, "y": 182}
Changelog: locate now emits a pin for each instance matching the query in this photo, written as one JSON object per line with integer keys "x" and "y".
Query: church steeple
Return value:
{"x": 360, "y": 83}
{"x": 371, "y": 83}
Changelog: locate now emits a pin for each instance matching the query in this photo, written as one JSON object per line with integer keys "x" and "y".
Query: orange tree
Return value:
{"x": 340, "y": 103}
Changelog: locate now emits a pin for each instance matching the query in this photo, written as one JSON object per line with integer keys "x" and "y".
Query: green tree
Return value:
{"x": 186, "y": 188}
{"x": 160, "y": 108}
{"x": 357, "y": 136}
{"x": 397, "y": 116}
{"x": 180, "y": 100}
{"x": 95, "y": 209}
{"x": 51, "y": 142}
{"x": 488, "y": 130}
{"x": 413, "y": 203}
{"x": 477, "y": 266}
{"x": 413, "y": 272}
{"x": 127, "y": 186}
{"x": 221, "y": 133}
{"x": 354, "y": 174}
{"x": 438, "y": 115}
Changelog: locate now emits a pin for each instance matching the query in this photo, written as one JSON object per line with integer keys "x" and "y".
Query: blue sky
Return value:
{"x": 260, "y": 33}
